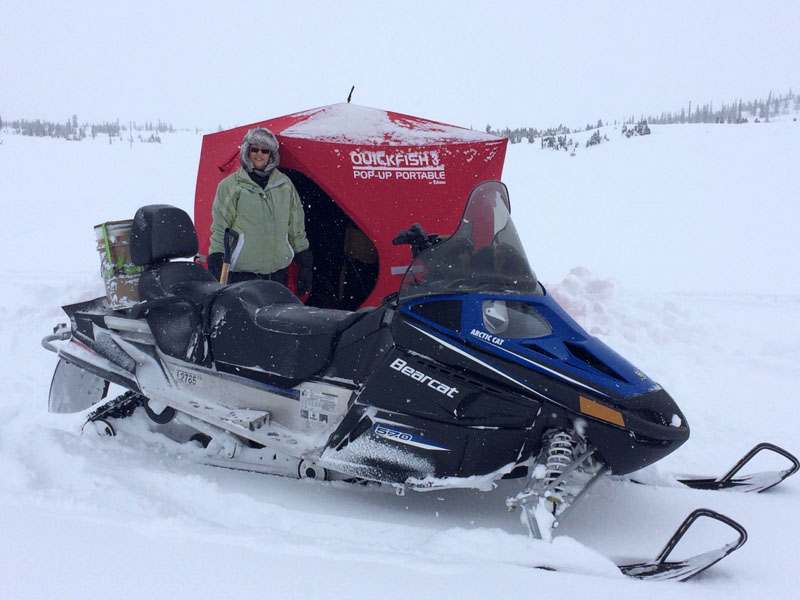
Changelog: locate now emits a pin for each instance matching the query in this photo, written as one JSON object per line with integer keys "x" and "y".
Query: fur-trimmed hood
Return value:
{"x": 263, "y": 138}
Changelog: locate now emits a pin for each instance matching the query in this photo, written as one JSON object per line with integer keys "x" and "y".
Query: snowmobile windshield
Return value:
{"x": 483, "y": 255}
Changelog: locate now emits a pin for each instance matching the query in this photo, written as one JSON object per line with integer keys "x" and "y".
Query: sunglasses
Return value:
{"x": 257, "y": 150}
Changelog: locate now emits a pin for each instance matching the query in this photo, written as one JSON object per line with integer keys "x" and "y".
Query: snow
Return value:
{"x": 351, "y": 124}
{"x": 699, "y": 208}
{"x": 677, "y": 249}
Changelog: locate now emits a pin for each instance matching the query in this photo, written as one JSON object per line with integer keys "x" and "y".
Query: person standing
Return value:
{"x": 262, "y": 205}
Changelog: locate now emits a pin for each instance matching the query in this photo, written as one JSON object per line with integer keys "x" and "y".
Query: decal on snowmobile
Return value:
{"x": 403, "y": 437}
{"x": 483, "y": 363}
{"x": 400, "y": 365}
{"x": 187, "y": 378}
{"x": 492, "y": 339}
{"x": 552, "y": 371}
{"x": 317, "y": 406}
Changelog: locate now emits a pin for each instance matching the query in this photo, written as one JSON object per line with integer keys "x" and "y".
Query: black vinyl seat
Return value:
{"x": 261, "y": 324}
{"x": 253, "y": 324}
{"x": 185, "y": 279}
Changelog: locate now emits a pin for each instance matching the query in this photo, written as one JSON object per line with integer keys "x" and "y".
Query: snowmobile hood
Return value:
{"x": 477, "y": 289}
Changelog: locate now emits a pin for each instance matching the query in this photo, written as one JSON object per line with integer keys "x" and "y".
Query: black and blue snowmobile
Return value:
{"x": 469, "y": 373}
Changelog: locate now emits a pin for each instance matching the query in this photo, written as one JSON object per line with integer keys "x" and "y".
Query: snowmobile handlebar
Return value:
{"x": 416, "y": 237}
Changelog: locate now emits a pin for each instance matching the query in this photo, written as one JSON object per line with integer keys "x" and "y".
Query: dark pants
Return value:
{"x": 279, "y": 276}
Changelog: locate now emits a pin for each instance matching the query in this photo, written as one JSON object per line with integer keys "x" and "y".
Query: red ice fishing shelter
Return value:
{"x": 363, "y": 175}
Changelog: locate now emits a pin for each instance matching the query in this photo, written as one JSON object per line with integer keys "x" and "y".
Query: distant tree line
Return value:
{"x": 557, "y": 142}
{"x": 552, "y": 136}
{"x": 72, "y": 130}
{"x": 739, "y": 111}
{"x": 640, "y": 128}
{"x": 597, "y": 139}
{"x": 515, "y": 136}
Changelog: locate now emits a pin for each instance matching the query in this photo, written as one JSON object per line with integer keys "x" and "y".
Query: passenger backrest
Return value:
{"x": 161, "y": 232}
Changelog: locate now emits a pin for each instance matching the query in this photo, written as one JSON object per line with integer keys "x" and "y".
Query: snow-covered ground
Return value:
{"x": 678, "y": 249}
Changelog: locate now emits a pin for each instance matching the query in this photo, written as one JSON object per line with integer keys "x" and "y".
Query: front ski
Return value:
{"x": 754, "y": 482}
{"x": 661, "y": 569}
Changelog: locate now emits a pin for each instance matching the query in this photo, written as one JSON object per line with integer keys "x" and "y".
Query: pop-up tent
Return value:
{"x": 363, "y": 175}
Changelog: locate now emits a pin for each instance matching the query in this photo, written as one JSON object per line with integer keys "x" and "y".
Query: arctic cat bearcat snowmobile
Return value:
{"x": 468, "y": 374}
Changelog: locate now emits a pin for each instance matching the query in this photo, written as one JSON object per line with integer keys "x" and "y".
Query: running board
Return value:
{"x": 252, "y": 420}
{"x": 244, "y": 422}
{"x": 661, "y": 569}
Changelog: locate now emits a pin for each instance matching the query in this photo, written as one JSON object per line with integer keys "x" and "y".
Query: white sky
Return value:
{"x": 202, "y": 64}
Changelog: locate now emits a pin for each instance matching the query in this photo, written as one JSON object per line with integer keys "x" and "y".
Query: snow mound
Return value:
{"x": 606, "y": 309}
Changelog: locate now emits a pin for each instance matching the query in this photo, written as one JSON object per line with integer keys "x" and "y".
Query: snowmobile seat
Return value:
{"x": 252, "y": 323}
{"x": 261, "y": 324}
{"x": 176, "y": 295}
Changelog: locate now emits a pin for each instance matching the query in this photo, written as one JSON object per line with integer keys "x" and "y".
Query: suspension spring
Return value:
{"x": 560, "y": 453}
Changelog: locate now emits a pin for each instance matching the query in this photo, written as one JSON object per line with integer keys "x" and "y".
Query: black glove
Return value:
{"x": 215, "y": 264}
{"x": 305, "y": 264}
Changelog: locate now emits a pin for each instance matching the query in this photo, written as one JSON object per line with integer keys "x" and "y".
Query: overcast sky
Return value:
{"x": 204, "y": 64}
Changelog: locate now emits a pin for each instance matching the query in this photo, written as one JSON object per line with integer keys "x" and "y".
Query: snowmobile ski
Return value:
{"x": 754, "y": 482}
{"x": 662, "y": 569}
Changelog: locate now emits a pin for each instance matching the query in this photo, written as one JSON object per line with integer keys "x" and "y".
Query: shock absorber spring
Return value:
{"x": 560, "y": 453}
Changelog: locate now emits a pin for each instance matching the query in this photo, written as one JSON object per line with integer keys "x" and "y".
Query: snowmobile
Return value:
{"x": 468, "y": 374}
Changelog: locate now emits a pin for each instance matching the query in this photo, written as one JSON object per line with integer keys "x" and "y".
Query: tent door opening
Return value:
{"x": 345, "y": 259}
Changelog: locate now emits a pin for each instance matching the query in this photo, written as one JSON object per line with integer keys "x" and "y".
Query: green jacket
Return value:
{"x": 271, "y": 222}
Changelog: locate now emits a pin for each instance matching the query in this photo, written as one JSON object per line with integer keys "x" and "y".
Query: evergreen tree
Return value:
{"x": 766, "y": 107}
